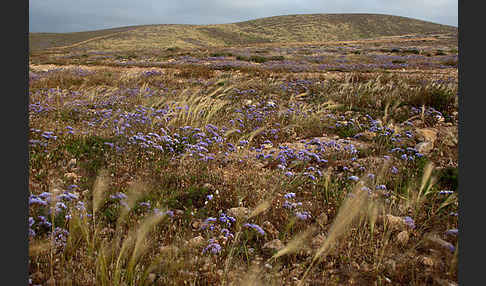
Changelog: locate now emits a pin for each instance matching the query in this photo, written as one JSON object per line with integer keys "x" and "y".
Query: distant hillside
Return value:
{"x": 39, "y": 41}
{"x": 278, "y": 29}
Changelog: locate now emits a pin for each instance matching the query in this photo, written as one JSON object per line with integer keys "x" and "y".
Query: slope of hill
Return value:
{"x": 40, "y": 41}
{"x": 277, "y": 29}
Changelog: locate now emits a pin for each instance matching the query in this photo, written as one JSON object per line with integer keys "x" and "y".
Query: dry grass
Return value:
{"x": 242, "y": 176}
{"x": 281, "y": 29}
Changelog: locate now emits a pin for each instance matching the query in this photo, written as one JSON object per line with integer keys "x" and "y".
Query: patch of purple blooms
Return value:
{"x": 213, "y": 247}
{"x": 409, "y": 222}
{"x": 255, "y": 227}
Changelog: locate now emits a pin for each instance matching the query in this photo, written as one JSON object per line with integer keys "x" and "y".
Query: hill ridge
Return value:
{"x": 273, "y": 29}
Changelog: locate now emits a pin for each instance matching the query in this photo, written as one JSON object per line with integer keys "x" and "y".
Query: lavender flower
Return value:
{"x": 303, "y": 215}
{"x": 312, "y": 177}
{"x": 381, "y": 187}
{"x": 353, "y": 178}
{"x": 208, "y": 223}
{"x": 35, "y": 200}
{"x": 226, "y": 233}
{"x": 453, "y": 231}
{"x": 60, "y": 206}
{"x": 44, "y": 221}
{"x": 255, "y": 227}
{"x": 144, "y": 204}
{"x": 226, "y": 219}
{"x": 366, "y": 189}
{"x": 60, "y": 237}
{"x": 289, "y": 195}
{"x": 288, "y": 205}
{"x": 118, "y": 196}
{"x": 409, "y": 221}
{"x": 289, "y": 174}
{"x": 169, "y": 213}
{"x": 213, "y": 247}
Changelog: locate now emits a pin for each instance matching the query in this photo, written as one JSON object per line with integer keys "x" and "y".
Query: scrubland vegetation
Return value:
{"x": 304, "y": 164}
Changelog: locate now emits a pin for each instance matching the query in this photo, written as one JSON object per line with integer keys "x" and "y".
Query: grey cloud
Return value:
{"x": 72, "y": 16}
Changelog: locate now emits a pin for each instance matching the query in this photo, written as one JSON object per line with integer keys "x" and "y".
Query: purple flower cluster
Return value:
{"x": 212, "y": 247}
{"x": 255, "y": 227}
{"x": 409, "y": 222}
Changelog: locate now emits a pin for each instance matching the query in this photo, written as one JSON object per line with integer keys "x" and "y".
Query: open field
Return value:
{"x": 309, "y": 162}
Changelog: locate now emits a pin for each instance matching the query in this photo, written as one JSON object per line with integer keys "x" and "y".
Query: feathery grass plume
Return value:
{"x": 251, "y": 277}
{"x": 434, "y": 238}
{"x": 296, "y": 244}
{"x": 122, "y": 253}
{"x": 134, "y": 242}
{"x": 327, "y": 179}
{"x": 230, "y": 131}
{"x": 263, "y": 206}
{"x": 450, "y": 200}
{"x": 426, "y": 176}
{"x": 194, "y": 108}
{"x": 54, "y": 192}
{"x": 100, "y": 188}
{"x": 385, "y": 115}
{"x": 39, "y": 248}
{"x": 380, "y": 252}
{"x": 349, "y": 211}
{"x": 382, "y": 172}
{"x": 372, "y": 211}
{"x": 299, "y": 96}
{"x": 102, "y": 267}
{"x": 141, "y": 245}
{"x": 135, "y": 191}
{"x": 218, "y": 90}
{"x": 252, "y": 135}
{"x": 416, "y": 199}
{"x": 78, "y": 227}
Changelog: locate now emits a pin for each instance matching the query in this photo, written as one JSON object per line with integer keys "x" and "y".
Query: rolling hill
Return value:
{"x": 277, "y": 29}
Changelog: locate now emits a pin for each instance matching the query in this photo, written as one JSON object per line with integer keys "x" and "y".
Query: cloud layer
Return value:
{"x": 72, "y": 16}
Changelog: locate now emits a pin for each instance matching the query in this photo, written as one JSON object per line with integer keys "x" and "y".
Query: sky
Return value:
{"x": 62, "y": 16}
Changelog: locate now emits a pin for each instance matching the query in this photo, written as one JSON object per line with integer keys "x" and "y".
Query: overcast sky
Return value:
{"x": 83, "y": 15}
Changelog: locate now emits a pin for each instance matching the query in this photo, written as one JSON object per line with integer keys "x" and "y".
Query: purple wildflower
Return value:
{"x": 213, "y": 247}
{"x": 255, "y": 227}
{"x": 226, "y": 233}
{"x": 35, "y": 200}
{"x": 303, "y": 215}
{"x": 409, "y": 221}
{"x": 169, "y": 213}
{"x": 144, "y": 204}
{"x": 453, "y": 231}
{"x": 353, "y": 178}
{"x": 226, "y": 219}
{"x": 381, "y": 187}
{"x": 289, "y": 195}
{"x": 118, "y": 196}
{"x": 289, "y": 174}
